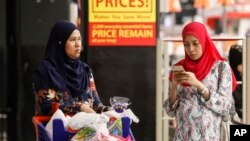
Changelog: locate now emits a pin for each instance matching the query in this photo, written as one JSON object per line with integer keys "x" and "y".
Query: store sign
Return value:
{"x": 122, "y": 23}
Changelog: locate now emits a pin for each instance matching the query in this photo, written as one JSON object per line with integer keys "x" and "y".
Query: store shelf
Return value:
{"x": 214, "y": 38}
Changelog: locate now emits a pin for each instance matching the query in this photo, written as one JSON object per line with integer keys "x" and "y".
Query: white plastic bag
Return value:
{"x": 131, "y": 115}
{"x": 112, "y": 114}
{"x": 82, "y": 119}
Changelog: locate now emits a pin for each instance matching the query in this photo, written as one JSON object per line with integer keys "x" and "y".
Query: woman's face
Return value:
{"x": 74, "y": 45}
{"x": 192, "y": 47}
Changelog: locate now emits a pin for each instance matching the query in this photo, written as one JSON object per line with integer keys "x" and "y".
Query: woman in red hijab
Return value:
{"x": 201, "y": 93}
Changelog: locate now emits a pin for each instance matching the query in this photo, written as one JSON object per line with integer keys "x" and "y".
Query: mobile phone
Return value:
{"x": 178, "y": 68}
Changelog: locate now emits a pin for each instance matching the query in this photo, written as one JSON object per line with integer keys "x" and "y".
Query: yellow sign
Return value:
{"x": 122, "y": 22}
{"x": 122, "y": 10}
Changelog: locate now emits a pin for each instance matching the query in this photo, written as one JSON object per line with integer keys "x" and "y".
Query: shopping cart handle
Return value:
{"x": 125, "y": 126}
{"x": 59, "y": 133}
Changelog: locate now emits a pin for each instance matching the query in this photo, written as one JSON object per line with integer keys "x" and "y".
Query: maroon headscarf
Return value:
{"x": 210, "y": 54}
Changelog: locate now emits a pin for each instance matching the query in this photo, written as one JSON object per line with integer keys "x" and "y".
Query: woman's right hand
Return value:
{"x": 176, "y": 78}
{"x": 86, "y": 108}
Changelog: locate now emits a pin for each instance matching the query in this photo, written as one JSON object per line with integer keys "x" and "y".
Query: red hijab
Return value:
{"x": 210, "y": 54}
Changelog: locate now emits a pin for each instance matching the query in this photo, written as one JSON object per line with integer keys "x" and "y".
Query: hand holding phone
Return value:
{"x": 178, "y": 69}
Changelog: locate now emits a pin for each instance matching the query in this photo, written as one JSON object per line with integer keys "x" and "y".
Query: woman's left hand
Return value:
{"x": 107, "y": 108}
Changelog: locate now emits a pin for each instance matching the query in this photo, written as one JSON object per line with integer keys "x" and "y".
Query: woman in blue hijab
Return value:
{"x": 62, "y": 77}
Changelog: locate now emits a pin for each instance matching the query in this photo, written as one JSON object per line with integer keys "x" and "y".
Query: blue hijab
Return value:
{"x": 57, "y": 71}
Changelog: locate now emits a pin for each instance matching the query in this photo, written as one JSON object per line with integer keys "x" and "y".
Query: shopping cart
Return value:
{"x": 59, "y": 132}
